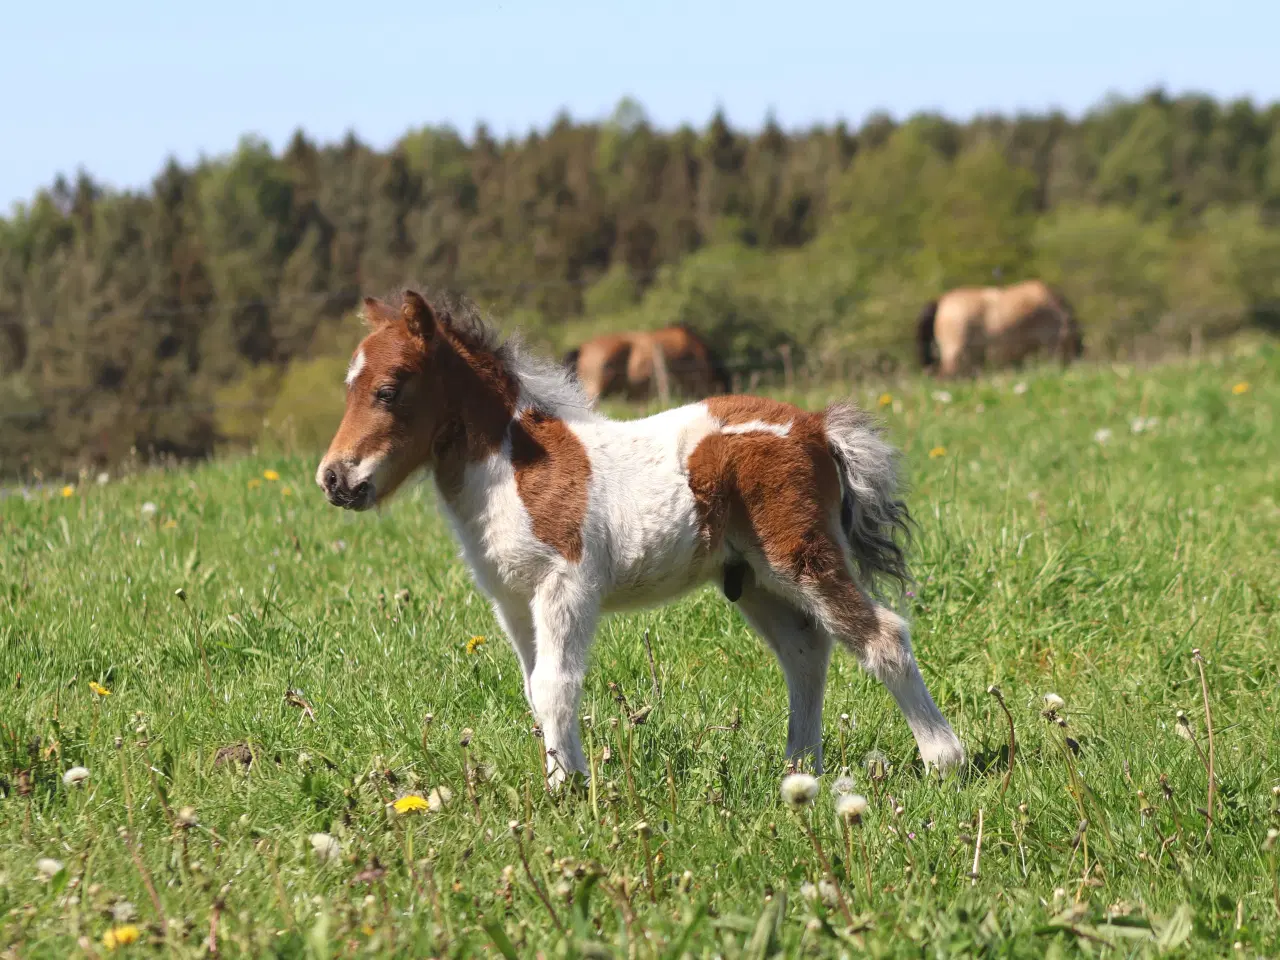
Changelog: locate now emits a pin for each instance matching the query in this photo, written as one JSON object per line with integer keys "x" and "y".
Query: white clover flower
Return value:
{"x": 47, "y": 868}
{"x": 1053, "y": 702}
{"x": 1102, "y": 436}
{"x": 851, "y": 806}
{"x": 326, "y": 846}
{"x": 799, "y": 790}
{"x": 75, "y": 776}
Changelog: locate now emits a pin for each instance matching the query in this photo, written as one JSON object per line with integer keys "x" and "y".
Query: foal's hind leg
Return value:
{"x": 819, "y": 575}
{"x": 803, "y": 650}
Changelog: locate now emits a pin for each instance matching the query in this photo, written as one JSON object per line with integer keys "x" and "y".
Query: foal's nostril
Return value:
{"x": 330, "y": 478}
{"x": 361, "y": 490}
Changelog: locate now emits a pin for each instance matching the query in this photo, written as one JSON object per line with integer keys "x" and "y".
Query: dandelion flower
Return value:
{"x": 75, "y": 776}
{"x": 148, "y": 510}
{"x": 1053, "y": 702}
{"x": 121, "y": 936}
{"x": 286, "y": 491}
{"x": 937, "y": 452}
{"x": 851, "y": 806}
{"x": 886, "y": 399}
{"x": 99, "y": 689}
{"x": 799, "y": 790}
{"x": 270, "y": 476}
{"x": 439, "y": 798}
{"x": 47, "y": 868}
{"x": 410, "y": 803}
{"x": 325, "y": 846}
{"x": 255, "y": 483}
{"x": 1241, "y": 387}
{"x": 474, "y": 644}
{"x": 171, "y": 524}
{"x": 68, "y": 491}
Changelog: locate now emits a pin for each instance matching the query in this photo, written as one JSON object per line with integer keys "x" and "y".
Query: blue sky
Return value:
{"x": 115, "y": 88}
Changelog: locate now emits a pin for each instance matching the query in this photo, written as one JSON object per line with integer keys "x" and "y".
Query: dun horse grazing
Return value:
{"x": 973, "y": 325}
{"x": 626, "y": 363}
{"x": 564, "y": 514}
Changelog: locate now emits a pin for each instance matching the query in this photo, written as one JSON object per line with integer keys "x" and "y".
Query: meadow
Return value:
{"x": 220, "y": 697}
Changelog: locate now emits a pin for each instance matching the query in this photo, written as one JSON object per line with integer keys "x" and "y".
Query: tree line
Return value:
{"x": 169, "y": 319}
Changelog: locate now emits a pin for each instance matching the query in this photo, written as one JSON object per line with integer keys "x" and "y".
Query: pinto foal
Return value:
{"x": 564, "y": 514}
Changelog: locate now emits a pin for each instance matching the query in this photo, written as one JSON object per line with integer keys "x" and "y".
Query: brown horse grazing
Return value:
{"x": 974, "y": 325}
{"x": 627, "y": 364}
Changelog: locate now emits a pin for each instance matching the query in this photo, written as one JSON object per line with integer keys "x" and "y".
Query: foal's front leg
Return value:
{"x": 564, "y": 619}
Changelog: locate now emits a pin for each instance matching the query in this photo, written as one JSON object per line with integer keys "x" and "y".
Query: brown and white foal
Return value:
{"x": 564, "y": 514}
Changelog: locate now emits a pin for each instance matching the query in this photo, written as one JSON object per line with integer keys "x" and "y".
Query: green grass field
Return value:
{"x": 1078, "y": 534}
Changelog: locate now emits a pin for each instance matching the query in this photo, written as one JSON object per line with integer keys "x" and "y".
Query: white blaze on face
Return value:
{"x": 357, "y": 364}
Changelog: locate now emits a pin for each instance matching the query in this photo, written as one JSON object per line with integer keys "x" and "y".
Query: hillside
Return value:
{"x": 168, "y": 320}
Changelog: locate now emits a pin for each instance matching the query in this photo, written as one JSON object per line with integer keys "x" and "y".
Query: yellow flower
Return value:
{"x": 121, "y": 936}
{"x": 937, "y": 452}
{"x": 255, "y": 483}
{"x": 286, "y": 491}
{"x": 1239, "y": 388}
{"x": 170, "y": 524}
{"x": 68, "y": 491}
{"x": 270, "y": 475}
{"x": 474, "y": 644}
{"x": 886, "y": 399}
{"x": 99, "y": 689}
{"x": 410, "y": 803}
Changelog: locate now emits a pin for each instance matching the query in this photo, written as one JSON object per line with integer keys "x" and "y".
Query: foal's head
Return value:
{"x": 407, "y": 382}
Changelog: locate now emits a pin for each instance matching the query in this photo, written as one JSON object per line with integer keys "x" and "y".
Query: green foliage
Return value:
{"x": 126, "y": 317}
{"x": 1050, "y": 556}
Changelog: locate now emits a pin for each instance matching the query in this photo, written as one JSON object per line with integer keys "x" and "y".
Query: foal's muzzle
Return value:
{"x": 343, "y": 491}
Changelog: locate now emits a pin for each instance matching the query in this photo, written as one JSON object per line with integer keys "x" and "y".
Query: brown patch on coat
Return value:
{"x": 780, "y": 496}
{"x": 552, "y": 472}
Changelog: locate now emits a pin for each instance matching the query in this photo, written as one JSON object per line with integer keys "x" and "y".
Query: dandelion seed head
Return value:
{"x": 47, "y": 868}
{"x": 942, "y": 396}
{"x": 851, "y": 806}
{"x": 148, "y": 510}
{"x": 326, "y": 847}
{"x": 799, "y": 790}
{"x": 809, "y": 891}
{"x": 122, "y": 911}
{"x": 439, "y": 798}
{"x": 188, "y": 818}
{"x": 1020, "y": 388}
{"x": 75, "y": 776}
{"x": 1102, "y": 435}
{"x": 843, "y": 785}
{"x": 1053, "y": 702}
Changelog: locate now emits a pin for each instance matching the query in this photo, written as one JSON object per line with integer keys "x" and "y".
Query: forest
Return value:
{"x": 185, "y": 317}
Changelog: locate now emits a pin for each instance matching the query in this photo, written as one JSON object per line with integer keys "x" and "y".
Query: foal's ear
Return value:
{"x": 418, "y": 315}
{"x": 376, "y": 313}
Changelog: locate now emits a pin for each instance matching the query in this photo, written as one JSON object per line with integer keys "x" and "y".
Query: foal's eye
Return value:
{"x": 387, "y": 394}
